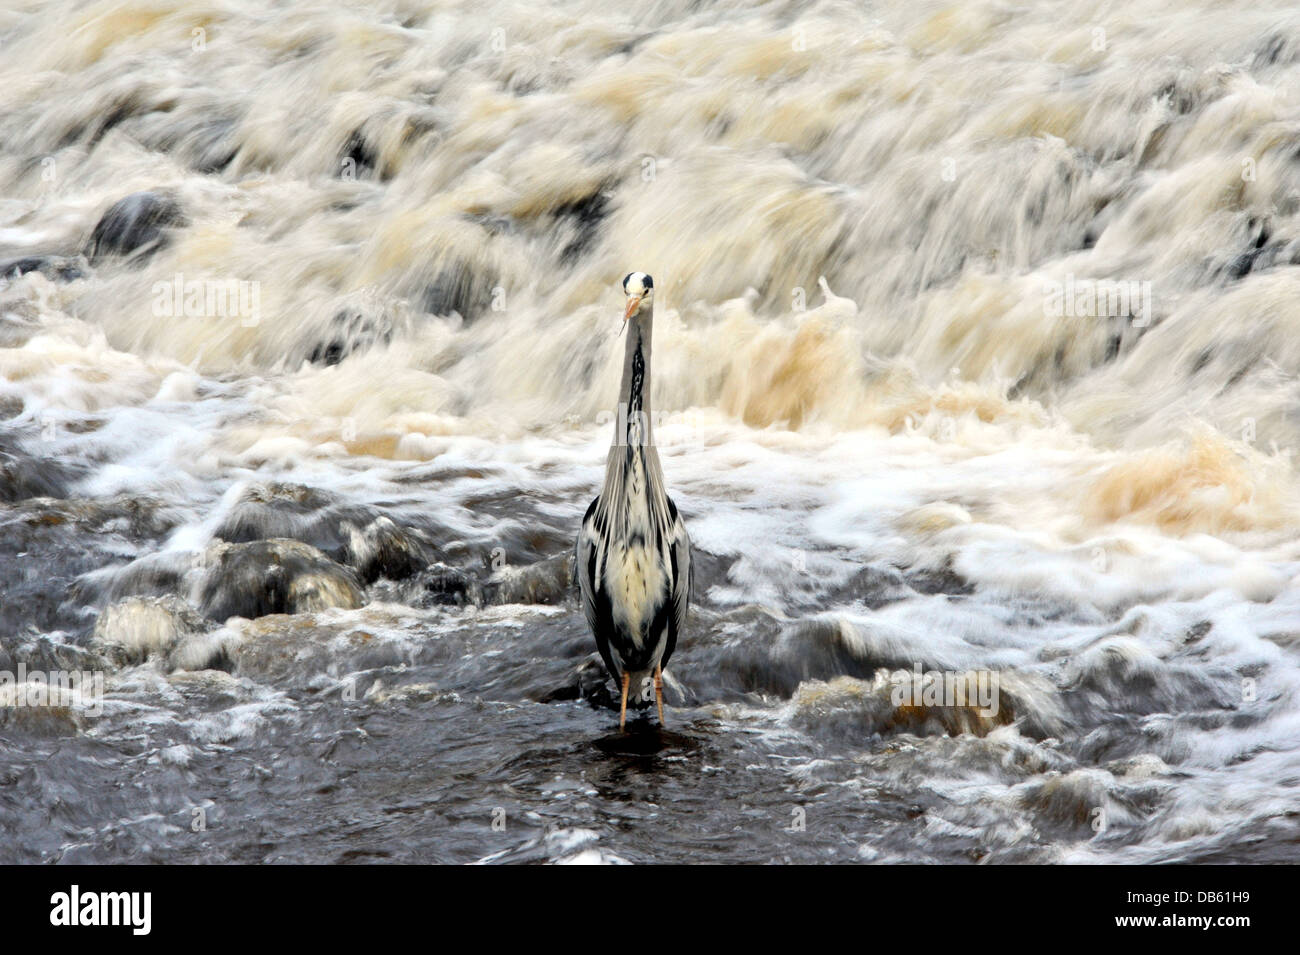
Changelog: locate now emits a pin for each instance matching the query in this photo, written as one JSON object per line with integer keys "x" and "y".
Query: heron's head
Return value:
{"x": 640, "y": 291}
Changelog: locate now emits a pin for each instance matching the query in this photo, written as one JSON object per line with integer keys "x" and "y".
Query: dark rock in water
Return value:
{"x": 358, "y": 158}
{"x": 211, "y": 149}
{"x": 135, "y": 225}
{"x": 23, "y": 476}
{"x": 877, "y": 585}
{"x": 274, "y": 576}
{"x": 46, "y": 721}
{"x": 203, "y": 139}
{"x": 350, "y": 331}
{"x": 710, "y": 570}
{"x": 941, "y": 580}
{"x": 819, "y": 648}
{"x": 56, "y": 268}
{"x": 459, "y": 288}
{"x": 1261, "y": 252}
{"x": 584, "y": 217}
{"x": 590, "y": 682}
{"x": 383, "y": 549}
{"x": 50, "y": 548}
{"x": 351, "y": 534}
{"x": 1276, "y": 48}
{"x": 275, "y": 509}
{"x": 440, "y": 585}
{"x": 153, "y": 575}
{"x": 545, "y": 582}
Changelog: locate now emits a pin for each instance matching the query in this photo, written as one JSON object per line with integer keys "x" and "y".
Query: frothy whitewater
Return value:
{"x": 977, "y": 335}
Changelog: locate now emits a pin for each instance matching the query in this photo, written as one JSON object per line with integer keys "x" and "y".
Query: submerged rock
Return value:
{"x": 876, "y": 586}
{"x": 382, "y": 549}
{"x": 51, "y": 553}
{"x": 351, "y": 331}
{"x": 545, "y": 582}
{"x": 930, "y": 703}
{"x": 137, "y": 628}
{"x": 585, "y": 217}
{"x": 1078, "y": 801}
{"x": 56, "y": 268}
{"x": 63, "y": 715}
{"x": 275, "y": 509}
{"x": 371, "y": 543}
{"x": 135, "y": 225}
{"x": 358, "y": 157}
{"x": 23, "y": 476}
{"x": 274, "y": 576}
{"x": 460, "y": 288}
{"x": 819, "y": 648}
{"x": 440, "y": 585}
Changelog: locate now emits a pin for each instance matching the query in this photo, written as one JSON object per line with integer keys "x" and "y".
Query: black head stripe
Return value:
{"x": 625, "y": 278}
{"x": 649, "y": 282}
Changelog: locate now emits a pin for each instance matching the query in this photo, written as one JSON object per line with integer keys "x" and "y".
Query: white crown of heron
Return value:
{"x": 640, "y": 291}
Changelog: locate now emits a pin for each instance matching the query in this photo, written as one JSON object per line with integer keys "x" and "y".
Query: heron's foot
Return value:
{"x": 659, "y": 693}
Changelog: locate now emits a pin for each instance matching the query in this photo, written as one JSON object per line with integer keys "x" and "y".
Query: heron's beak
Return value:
{"x": 632, "y": 304}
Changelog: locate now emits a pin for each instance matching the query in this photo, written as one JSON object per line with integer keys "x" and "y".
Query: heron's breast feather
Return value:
{"x": 637, "y": 584}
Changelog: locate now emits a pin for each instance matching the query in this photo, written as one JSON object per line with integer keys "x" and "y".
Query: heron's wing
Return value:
{"x": 591, "y": 593}
{"x": 682, "y": 575}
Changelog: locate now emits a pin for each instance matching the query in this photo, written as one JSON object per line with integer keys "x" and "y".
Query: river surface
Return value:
{"x": 976, "y": 350}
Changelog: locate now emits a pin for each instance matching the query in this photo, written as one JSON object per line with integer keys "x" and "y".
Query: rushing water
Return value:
{"x": 300, "y": 475}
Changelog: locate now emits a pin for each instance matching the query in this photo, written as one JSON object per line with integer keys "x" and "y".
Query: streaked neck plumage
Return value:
{"x": 633, "y": 425}
{"x": 634, "y": 499}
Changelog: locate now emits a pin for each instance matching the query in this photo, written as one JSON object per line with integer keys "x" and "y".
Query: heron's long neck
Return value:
{"x": 633, "y": 500}
{"x": 633, "y": 424}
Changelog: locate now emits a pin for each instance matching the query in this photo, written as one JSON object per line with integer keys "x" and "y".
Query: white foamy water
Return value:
{"x": 976, "y": 349}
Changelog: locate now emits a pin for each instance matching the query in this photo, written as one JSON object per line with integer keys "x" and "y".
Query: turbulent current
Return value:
{"x": 976, "y": 343}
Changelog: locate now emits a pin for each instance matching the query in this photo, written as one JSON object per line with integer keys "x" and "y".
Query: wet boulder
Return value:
{"x": 440, "y": 585}
{"x": 135, "y": 226}
{"x": 352, "y": 534}
{"x": 930, "y": 703}
{"x": 351, "y": 331}
{"x": 38, "y": 709}
{"x": 583, "y": 218}
{"x": 274, "y": 576}
{"x": 54, "y": 554}
{"x": 23, "y": 476}
{"x": 56, "y": 268}
{"x": 877, "y": 585}
{"x": 460, "y": 288}
{"x": 275, "y": 509}
{"x": 134, "y": 629}
{"x": 383, "y": 549}
{"x": 545, "y": 582}
{"x": 816, "y": 648}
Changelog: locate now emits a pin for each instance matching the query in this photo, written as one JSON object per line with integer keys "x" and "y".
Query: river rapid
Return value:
{"x": 976, "y": 343}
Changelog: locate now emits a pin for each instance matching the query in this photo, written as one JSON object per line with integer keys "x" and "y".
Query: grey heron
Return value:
{"x": 633, "y": 559}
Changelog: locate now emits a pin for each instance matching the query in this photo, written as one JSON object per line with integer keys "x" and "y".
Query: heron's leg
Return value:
{"x": 659, "y": 693}
{"x": 622, "y": 710}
